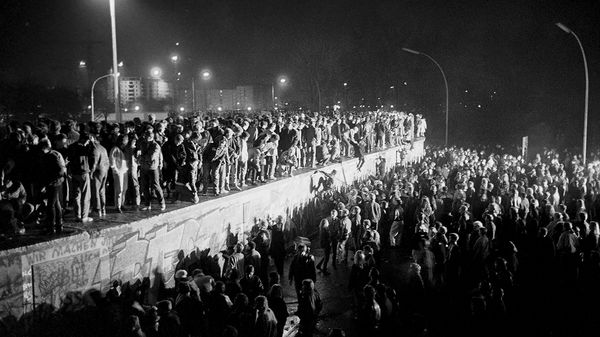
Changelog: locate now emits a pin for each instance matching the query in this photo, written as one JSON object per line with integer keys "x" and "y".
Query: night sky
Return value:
{"x": 511, "y": 47}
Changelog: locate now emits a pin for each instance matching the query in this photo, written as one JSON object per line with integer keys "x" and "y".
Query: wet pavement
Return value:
{"x": 337, "y": 299}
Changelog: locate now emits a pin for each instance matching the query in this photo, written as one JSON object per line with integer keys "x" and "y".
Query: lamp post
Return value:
{"x": 282, "y": 80}
{"x": 175, "y": 61}
{"x": 205, "y": 75}
{"x": 396, "y": 95}
{"x": 347, "y": 105}
{"x": 113, "y": 28}
{"x": 445, "y": 84}
{"x": 92, "y": 93}
{"x": 587, "y": 87}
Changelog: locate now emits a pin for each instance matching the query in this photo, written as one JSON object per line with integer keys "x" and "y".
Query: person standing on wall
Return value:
{"x": 79, "y": 169}
{"x": 118, "y": 164}
{"x": 151, "y": 164}
{"x": 99, "y": 165}
{"x": 53, "y": 177}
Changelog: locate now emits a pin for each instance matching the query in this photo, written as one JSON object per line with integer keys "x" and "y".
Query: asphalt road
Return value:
{"x": 337, "y": 299}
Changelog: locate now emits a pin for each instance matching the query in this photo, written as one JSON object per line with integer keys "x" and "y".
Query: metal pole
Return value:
{"x": 446, "y": 86}
{"x": 92, "y": 94}
{"x": 193, "y": 94}
{"x": 113, "y": 27}
{"x": 587, "y": 97}
{"x": 346, "y": 98}
{"x": 273, "y": 95}
{"x": 412, "y": 51}
{"x": 92, "y": 98}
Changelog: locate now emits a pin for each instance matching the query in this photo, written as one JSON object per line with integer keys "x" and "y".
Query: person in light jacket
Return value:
{"x": 119, "y": 167}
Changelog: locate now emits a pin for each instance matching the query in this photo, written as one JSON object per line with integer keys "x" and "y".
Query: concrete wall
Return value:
{"x": 45, "y": 272}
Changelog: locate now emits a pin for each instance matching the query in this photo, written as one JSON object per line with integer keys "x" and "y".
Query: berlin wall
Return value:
{"x": 45, "y": 272}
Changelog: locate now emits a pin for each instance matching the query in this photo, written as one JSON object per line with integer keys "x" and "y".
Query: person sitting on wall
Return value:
{"x": 13, "y": 207}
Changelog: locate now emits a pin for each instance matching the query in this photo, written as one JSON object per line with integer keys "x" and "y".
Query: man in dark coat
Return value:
{"x": 79, "y": 169}
{"x": 326, "y": 227}
{"x": 277, "y": 249}
{"x": 174, "y": 154}
{"x": 251, "y": 284}
{"x": 302, "y": 268}
{"x": 53, "y": 178}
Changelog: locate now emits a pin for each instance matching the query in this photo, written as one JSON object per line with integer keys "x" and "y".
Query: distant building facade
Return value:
{"x": 158, "y": 89}
{"x": 134, "y": 89}
{"x": 240, "y": 98}
{"x": 130, "y": 90}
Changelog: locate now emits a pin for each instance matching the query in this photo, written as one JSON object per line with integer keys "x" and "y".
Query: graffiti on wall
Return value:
{"x": 11, "y": 285}
{"x": 54, "y": 278}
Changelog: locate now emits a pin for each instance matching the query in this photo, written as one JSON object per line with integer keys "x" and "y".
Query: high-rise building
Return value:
{"x": 130, "y": 90}
{"x": 241, "y": 98}
{"x": 158, "y": 89}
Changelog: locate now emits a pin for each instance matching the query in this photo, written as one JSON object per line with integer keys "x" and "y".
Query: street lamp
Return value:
{"x": 445, "y": 84}
{"x": 206, "y": 75}
{"x": 92, "y": 93}
{"x": 346, "y": 95}
{"x": 113, "y": 28}
{"x": 175, "y": 58}
{"x": 587, "y": 87}
{"x": 156, "y": 72}
{"x": 282, "y": 80}
{"x": 395, "y": 91}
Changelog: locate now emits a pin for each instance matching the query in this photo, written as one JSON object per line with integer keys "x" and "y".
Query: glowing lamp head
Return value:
{"x": 411, "y": 51}
{"x": 156, "y": 72}
{"x": 137, "y": 108}
{"x": 175, "y": 58}
{"x": 563, "y": 27}
{"x": 82, "y": 64}
{"x": 182, "y": 109}
{"x": 205, "y": 74}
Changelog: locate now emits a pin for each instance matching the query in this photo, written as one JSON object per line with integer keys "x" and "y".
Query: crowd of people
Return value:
{"x": 489, "y": 243}
{"x": 503, "y": 244}
{"x": 50, "y": 168}
{"x": 485, "y": 241}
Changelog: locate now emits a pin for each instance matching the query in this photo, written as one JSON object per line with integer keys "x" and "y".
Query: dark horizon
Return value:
{"x": 512, "y": 48}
